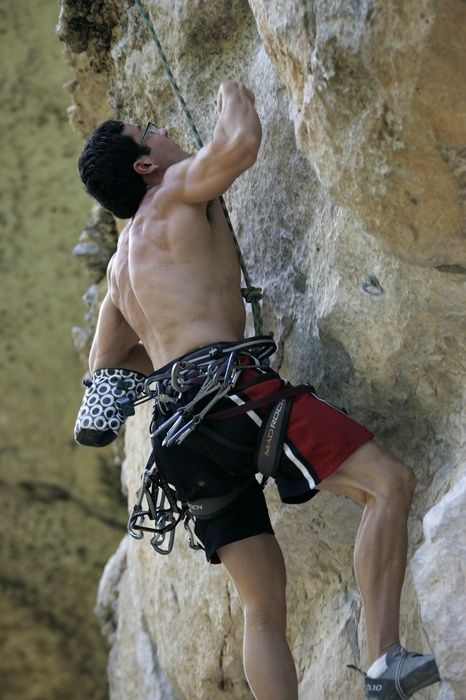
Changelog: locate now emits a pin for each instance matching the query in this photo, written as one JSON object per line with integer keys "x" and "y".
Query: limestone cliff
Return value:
{"x": 359, "y": 183}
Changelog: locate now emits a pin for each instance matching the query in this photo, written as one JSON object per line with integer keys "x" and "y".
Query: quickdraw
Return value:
{"x": 215, "y": 381}
{"x": 157, "y": 494}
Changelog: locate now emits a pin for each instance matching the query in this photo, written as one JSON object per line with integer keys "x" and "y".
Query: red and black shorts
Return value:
{"x": 220, "y": 454}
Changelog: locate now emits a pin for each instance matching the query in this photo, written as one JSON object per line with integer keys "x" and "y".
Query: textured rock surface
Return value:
{"x": 60, "y": 510}
{"x": 445, "y": 551}
{"x": 363, "y": 78}
{"x": 361, "y": 173}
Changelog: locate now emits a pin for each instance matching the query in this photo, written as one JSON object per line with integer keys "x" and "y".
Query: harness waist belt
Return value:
{"x": 210, "y": 373}
{"x": 284, "y": 393}
{"x": 260, "y": 347}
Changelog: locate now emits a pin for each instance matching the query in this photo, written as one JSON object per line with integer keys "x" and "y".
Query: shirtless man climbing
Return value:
{"x": 174, "y": 292}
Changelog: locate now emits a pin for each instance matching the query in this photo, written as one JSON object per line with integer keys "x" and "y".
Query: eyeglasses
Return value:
{"x": 150, "y": 129}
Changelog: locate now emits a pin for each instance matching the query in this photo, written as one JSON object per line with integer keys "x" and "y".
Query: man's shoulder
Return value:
{"x": 162, "y": 205}
{"x": 174, "y": 177}
{"x": 170, "y": 192}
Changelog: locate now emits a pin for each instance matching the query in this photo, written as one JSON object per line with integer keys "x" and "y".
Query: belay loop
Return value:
{"x": 254, "y": 298}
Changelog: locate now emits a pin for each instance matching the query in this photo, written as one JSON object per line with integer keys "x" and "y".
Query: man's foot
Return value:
{"x": 108, "y": 401}
{"x": 406, "y": 673}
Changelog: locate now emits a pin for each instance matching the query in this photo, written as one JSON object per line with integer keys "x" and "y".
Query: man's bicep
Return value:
{"x": 210, "y": 172}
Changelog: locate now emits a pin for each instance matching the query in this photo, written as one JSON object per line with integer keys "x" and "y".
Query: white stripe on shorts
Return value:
{"x": 251, "y": 414}
{"x": 300, "y": 465}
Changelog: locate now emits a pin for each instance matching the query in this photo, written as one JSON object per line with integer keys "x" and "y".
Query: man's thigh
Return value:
{"x": 370, "y": 471}
{"x": 257, "y": 569}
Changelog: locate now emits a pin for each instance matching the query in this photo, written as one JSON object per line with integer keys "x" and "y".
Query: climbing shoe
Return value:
{"x": 108, "y": 401}
{"x": 406, "y": 673}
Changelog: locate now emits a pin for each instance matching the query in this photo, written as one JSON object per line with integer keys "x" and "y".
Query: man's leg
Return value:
{"x": 384, "y": 487}
{"x": 257, "y": 569}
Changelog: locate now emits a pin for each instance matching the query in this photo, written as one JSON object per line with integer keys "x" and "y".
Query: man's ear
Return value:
{"x": 143, "y": 166}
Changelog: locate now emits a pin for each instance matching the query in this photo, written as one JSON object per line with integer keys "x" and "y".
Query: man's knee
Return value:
{"x": 264, "y": 615}
{"x": 266, "y": 605}
{"x": 396, "y": 481}
{"x": 258, "y": 572}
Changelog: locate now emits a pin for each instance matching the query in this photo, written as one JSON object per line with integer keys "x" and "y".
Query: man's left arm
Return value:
{"x": 115, "y": 343}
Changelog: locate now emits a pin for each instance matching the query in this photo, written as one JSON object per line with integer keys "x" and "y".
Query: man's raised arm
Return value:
{"x": 233, "y": 149}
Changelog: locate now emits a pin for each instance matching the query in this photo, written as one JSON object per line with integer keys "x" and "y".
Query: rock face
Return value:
{"x": 445, "y": 551}
{"x": 358, "y": 189}
{"x": 363, "y": 79}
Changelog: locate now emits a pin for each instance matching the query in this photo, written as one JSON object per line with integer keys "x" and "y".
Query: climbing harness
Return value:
{"x": 203, "y": 377}
{"x": 251, "y": 294}
{"x": 183, "y": 394}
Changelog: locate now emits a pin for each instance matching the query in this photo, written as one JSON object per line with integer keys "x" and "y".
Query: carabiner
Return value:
{"x": 188, "y": 527}
{"x": 159, "y": 538}
{"x": 135, "y": 515}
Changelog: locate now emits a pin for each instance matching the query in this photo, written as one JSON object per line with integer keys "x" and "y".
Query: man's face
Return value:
{"x": 163, "y": 150}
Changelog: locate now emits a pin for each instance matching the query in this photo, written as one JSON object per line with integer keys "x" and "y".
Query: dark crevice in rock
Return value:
{"x": 225, "y": 683}
{"x": 452, "y": 269}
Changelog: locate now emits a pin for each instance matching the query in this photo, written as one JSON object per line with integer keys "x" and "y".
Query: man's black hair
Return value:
{"x": 106, "y": 169}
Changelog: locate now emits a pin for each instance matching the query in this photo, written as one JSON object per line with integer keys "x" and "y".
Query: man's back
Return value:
{"x": 176, "y": 276}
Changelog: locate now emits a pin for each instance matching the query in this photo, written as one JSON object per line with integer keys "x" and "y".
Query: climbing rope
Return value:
{"x": 251, "y": 294}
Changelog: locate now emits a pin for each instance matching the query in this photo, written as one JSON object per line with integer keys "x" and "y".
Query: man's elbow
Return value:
{"x": 249, "y": 147}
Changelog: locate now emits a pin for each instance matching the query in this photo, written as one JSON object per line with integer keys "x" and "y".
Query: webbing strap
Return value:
{"x": 272, "y": 438}
{"x": 210, "y": 507}
{"x": 284, "y": 393}
{"x": 251, "y": 294}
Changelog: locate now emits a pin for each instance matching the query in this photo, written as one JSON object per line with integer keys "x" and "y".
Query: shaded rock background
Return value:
{"x": 61, "y": 512}
{"x": 360, "y": 176}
